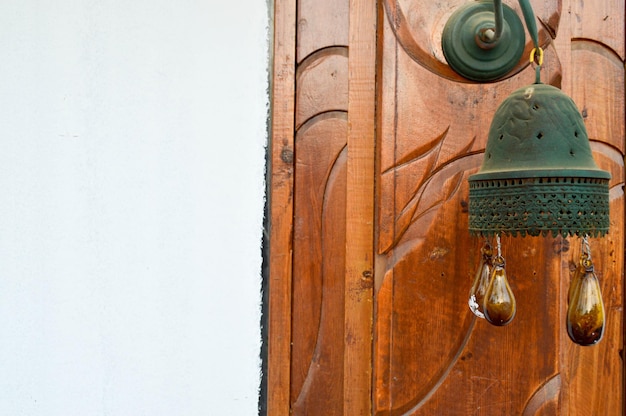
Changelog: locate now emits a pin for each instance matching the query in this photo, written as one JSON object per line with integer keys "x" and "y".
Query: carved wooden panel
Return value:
{"x": 321, "y": 106}
{"x": 371, "y": 263}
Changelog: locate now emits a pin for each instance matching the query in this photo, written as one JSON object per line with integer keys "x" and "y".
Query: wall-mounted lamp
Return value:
{"x": 538, "y": 174}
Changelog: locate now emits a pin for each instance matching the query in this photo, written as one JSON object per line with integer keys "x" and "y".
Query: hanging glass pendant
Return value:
{"x": 499, "y": 303}
{"x": 585, "y": 311}
{"x": 481, "y": 281}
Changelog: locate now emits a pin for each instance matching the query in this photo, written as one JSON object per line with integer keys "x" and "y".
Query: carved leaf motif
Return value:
{"x": 417, "y": 163}
{"x": 426, "y": 149}
{"x": 437, "y": 186}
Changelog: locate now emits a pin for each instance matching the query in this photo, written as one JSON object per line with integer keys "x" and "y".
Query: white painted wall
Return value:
{"x": 131, "y": 195}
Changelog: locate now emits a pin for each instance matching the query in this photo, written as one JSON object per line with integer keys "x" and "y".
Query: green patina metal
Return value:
{"x": 538, "y": 175}
{"x": 483, "y": 40}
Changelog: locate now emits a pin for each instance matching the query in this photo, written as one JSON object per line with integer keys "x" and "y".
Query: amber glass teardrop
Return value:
{"x": 499, "y": 305}
{"x": 481, "y": 282}
{"x": 585, "y": 312}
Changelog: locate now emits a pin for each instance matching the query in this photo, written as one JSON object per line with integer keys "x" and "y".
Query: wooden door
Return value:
{"x": 370, "y": 261}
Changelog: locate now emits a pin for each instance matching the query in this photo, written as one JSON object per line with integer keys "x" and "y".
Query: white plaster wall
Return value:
{"x": 132, "y": 140}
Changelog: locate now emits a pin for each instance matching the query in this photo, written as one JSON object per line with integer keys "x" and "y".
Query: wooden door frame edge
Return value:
{"x": 279, "y": 210}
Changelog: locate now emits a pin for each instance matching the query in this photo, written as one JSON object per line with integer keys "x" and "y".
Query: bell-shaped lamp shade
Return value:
{"x": 538, "y": 174}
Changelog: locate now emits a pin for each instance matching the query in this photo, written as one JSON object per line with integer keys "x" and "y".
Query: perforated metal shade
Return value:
{"x": 538, "y": 175}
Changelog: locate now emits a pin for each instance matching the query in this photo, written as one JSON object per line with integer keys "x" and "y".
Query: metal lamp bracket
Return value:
{"x": 485, "y": 40}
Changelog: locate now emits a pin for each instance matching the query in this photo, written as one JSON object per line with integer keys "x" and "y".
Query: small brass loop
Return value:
{"x": 539, "y": 52}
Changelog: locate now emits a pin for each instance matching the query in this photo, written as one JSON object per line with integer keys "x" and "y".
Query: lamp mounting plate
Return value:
{"x": 469, "y": 46}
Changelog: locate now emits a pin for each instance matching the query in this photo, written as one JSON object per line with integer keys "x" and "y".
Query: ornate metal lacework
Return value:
{"x": 533, "y": 206}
